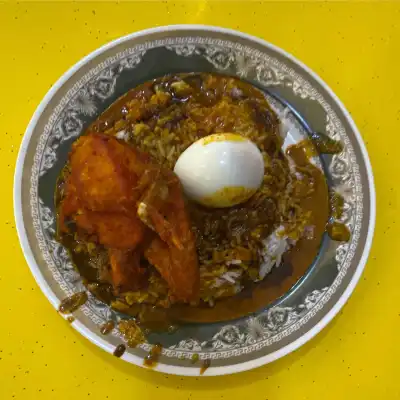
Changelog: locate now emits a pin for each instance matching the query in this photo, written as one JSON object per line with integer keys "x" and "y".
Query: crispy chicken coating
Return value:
{"x": 134, "y": 208}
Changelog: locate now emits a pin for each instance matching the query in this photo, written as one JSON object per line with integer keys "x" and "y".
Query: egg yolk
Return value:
{"x": 228, "y": 196}
{"x": 222, "y": 137}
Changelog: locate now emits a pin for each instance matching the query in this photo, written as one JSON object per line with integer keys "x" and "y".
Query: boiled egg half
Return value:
{"x": 220, "y": 170}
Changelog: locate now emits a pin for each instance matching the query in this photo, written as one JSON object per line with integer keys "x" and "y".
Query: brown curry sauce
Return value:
{"x": 151, "y": 360}
{"x": 119, "y": 350}
{"x": 72, "y": 303}
{"x": 107, "y": 327}
{"x": 257, "y": 295}
{"x": 204, "y": 366}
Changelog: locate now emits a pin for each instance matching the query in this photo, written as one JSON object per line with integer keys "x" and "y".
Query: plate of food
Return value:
{"x": 194, "y": 200}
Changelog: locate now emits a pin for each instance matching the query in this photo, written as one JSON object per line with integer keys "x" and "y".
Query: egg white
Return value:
{"x": 206, "y": 169}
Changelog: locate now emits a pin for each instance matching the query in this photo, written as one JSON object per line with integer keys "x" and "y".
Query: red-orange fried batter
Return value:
{"x": 173, "y": 253}
{"x": 117, "y": 194}
{"x": 105, "y": 173}
{"x": 115, "y": 230}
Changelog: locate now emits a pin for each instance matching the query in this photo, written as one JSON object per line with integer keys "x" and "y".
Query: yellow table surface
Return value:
{"x": 354, "y": 47}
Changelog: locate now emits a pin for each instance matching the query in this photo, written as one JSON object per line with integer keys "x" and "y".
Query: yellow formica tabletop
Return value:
{"x": 355, "y": 48}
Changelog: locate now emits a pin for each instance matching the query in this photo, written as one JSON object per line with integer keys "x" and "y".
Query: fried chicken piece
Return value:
{"x": 101, "y": 190}
{"x": 173, "y": 253}
{"x": 114, "y": 230}
{"x": 105, "y": 173}
{"x": 126, "y": 272}
{"x": 115, "y": 193}
{"x": 183, "y": 282}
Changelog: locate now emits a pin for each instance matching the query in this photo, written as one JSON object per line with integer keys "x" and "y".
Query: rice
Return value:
{"x": 122, "y": 135}
{"x": 273, "y": 249}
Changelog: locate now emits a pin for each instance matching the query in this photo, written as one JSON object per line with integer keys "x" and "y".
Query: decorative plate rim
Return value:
{"x": 80, "y": 327}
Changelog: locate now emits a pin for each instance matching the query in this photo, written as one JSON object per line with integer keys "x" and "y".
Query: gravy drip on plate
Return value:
{"x": 119, "y": 350}
{"x": 72, "y": 303}
{"x": 151, "y": 360}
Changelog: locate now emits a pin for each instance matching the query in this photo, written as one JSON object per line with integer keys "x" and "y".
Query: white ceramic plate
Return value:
{"x": 95, "y": 82}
